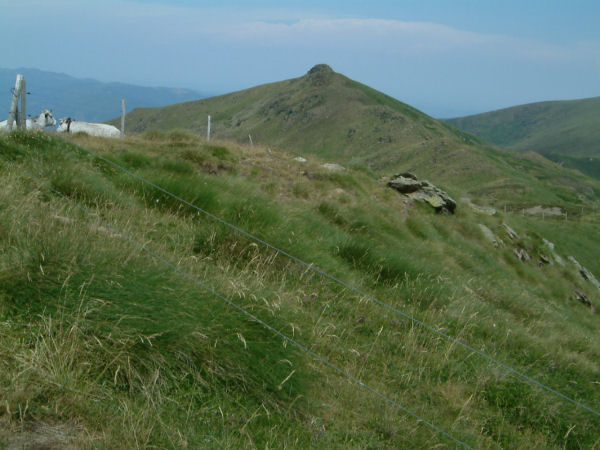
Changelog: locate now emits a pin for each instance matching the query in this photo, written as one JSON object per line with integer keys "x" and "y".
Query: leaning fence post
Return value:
{"x": 12, "y": 115}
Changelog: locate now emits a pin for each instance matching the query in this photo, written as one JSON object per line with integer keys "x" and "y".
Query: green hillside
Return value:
{"x": 107, "y": 341}
{"x": 326, "y": 114}
{"x": 565, "y": 131}
{"x": 321, "y": 113}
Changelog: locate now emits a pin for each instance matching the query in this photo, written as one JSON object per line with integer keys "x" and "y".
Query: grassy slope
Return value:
{"x": 338, "y": 119}
{"x": 321, "y": 113}
{"x": 101, "y": 344}
{"x": 566, "y": 131}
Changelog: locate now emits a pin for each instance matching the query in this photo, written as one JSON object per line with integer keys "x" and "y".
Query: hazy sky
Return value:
{"x": 445, "y": 57}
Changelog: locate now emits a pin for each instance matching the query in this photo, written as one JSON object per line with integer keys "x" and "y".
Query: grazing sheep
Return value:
{"x": 41, "y": 122}
{"x": 68, "y": 125}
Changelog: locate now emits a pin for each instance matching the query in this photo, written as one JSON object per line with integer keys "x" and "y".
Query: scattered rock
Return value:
{"x": 404, "y": 184}
{"x": 482, "y": 209}
{"x": 550, "y": 246}
{"x": 300, "y": 159}
{"x": 544, "y": 260}
{"x": 407, "y": 175}
{"x": 409, "y": 185}
{"x": 512, "y": 234}
{"x": 490, "y": 236}
{"x": 580, "y": 296}
{"x": 585, "y": 274}
{"x": 522, "y": 254}
{"x": 333, "y": 167}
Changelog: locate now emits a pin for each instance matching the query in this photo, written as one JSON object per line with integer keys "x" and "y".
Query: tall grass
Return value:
{"x": 103, "y": 339}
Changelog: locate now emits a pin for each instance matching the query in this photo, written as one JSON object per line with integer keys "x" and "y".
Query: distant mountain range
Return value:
{"x": 84, "y": 99}
{"x": 564, "y": 131}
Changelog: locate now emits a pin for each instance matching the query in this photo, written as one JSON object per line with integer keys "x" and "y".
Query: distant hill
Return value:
{"x": 564, "y": 131}
{"x": 327, "y": 114}
{"x": 322, "y": 112}
{"x": 85, "y": 99}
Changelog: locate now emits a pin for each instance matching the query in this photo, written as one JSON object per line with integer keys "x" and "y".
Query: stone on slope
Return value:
{"x": 409, "y": 185}
{"x": 481, "y": 209}
{"x": 580, "y": 296}
{"x": 557, "y": 258}
{"x": 489, "y": 235}
{"x": 522, "y": 254}
{"x": 512, "y": 234}
{"x": 585, "y": 274}
{"x": 404, "y": 184}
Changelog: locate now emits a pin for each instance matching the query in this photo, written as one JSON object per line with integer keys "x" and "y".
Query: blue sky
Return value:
{"x": 447, "y": 58}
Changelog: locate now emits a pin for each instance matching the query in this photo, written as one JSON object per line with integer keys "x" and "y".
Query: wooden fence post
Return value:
{"x": 14, "y": 104}
{"x": 23, "y": 94}
{"x": 122, "y": 118}
{"x": 208, "y": 130}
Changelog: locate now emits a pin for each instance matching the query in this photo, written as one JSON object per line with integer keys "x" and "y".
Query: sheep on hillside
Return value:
{"x": 41, "y": 122}
{"x": 68, "y": 125}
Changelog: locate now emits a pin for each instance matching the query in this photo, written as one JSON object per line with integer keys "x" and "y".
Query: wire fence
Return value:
{"x": 363, "y": 294}
{"x": 241, "y": 309}
{"x": 552, "y": 213}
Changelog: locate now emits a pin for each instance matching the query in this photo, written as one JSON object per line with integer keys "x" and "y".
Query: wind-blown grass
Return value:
{"x": 101, "y": 338}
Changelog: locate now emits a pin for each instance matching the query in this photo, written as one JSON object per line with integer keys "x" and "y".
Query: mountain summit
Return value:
{"x": 327, "y": 114}
{"x": 320, "y": 74}
{"x": 322, "y": 112}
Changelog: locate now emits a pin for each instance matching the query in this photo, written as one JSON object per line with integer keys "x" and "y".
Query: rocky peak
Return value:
{"x": 320, "y": 74}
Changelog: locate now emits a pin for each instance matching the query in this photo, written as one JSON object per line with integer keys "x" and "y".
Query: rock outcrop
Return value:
{"x": 581, "y": 297}
{"x": 585, "y": 274}
{"x": 512, "y": 234}
{"x": 490, "y": 236}
{"x": 550, "y": 247}
{"x": 480, "y": 209}
{"x": 409, "y": 185}
{"x": 521, "y": 254}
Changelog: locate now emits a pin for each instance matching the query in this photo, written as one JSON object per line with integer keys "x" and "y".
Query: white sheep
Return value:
{"x": 41, "y": 122}
{"x": 68, "y": 125}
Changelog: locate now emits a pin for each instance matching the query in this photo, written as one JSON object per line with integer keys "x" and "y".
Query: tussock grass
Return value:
{"x": 105, "y": 340}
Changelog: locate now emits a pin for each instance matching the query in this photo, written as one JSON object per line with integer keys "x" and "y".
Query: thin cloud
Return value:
{"x": 396, "y": 36}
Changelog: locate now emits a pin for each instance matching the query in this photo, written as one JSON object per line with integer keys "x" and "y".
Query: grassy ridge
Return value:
{"x": 86, "y": 315}
{"x": 565, "y": 131}
{"x": 565, "y": 127}
{"x": 326, "y": 114}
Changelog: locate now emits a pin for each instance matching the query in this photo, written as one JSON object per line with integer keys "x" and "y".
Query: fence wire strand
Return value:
{"x": 346, "y": 285}
{"x": 240, "y": 308}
